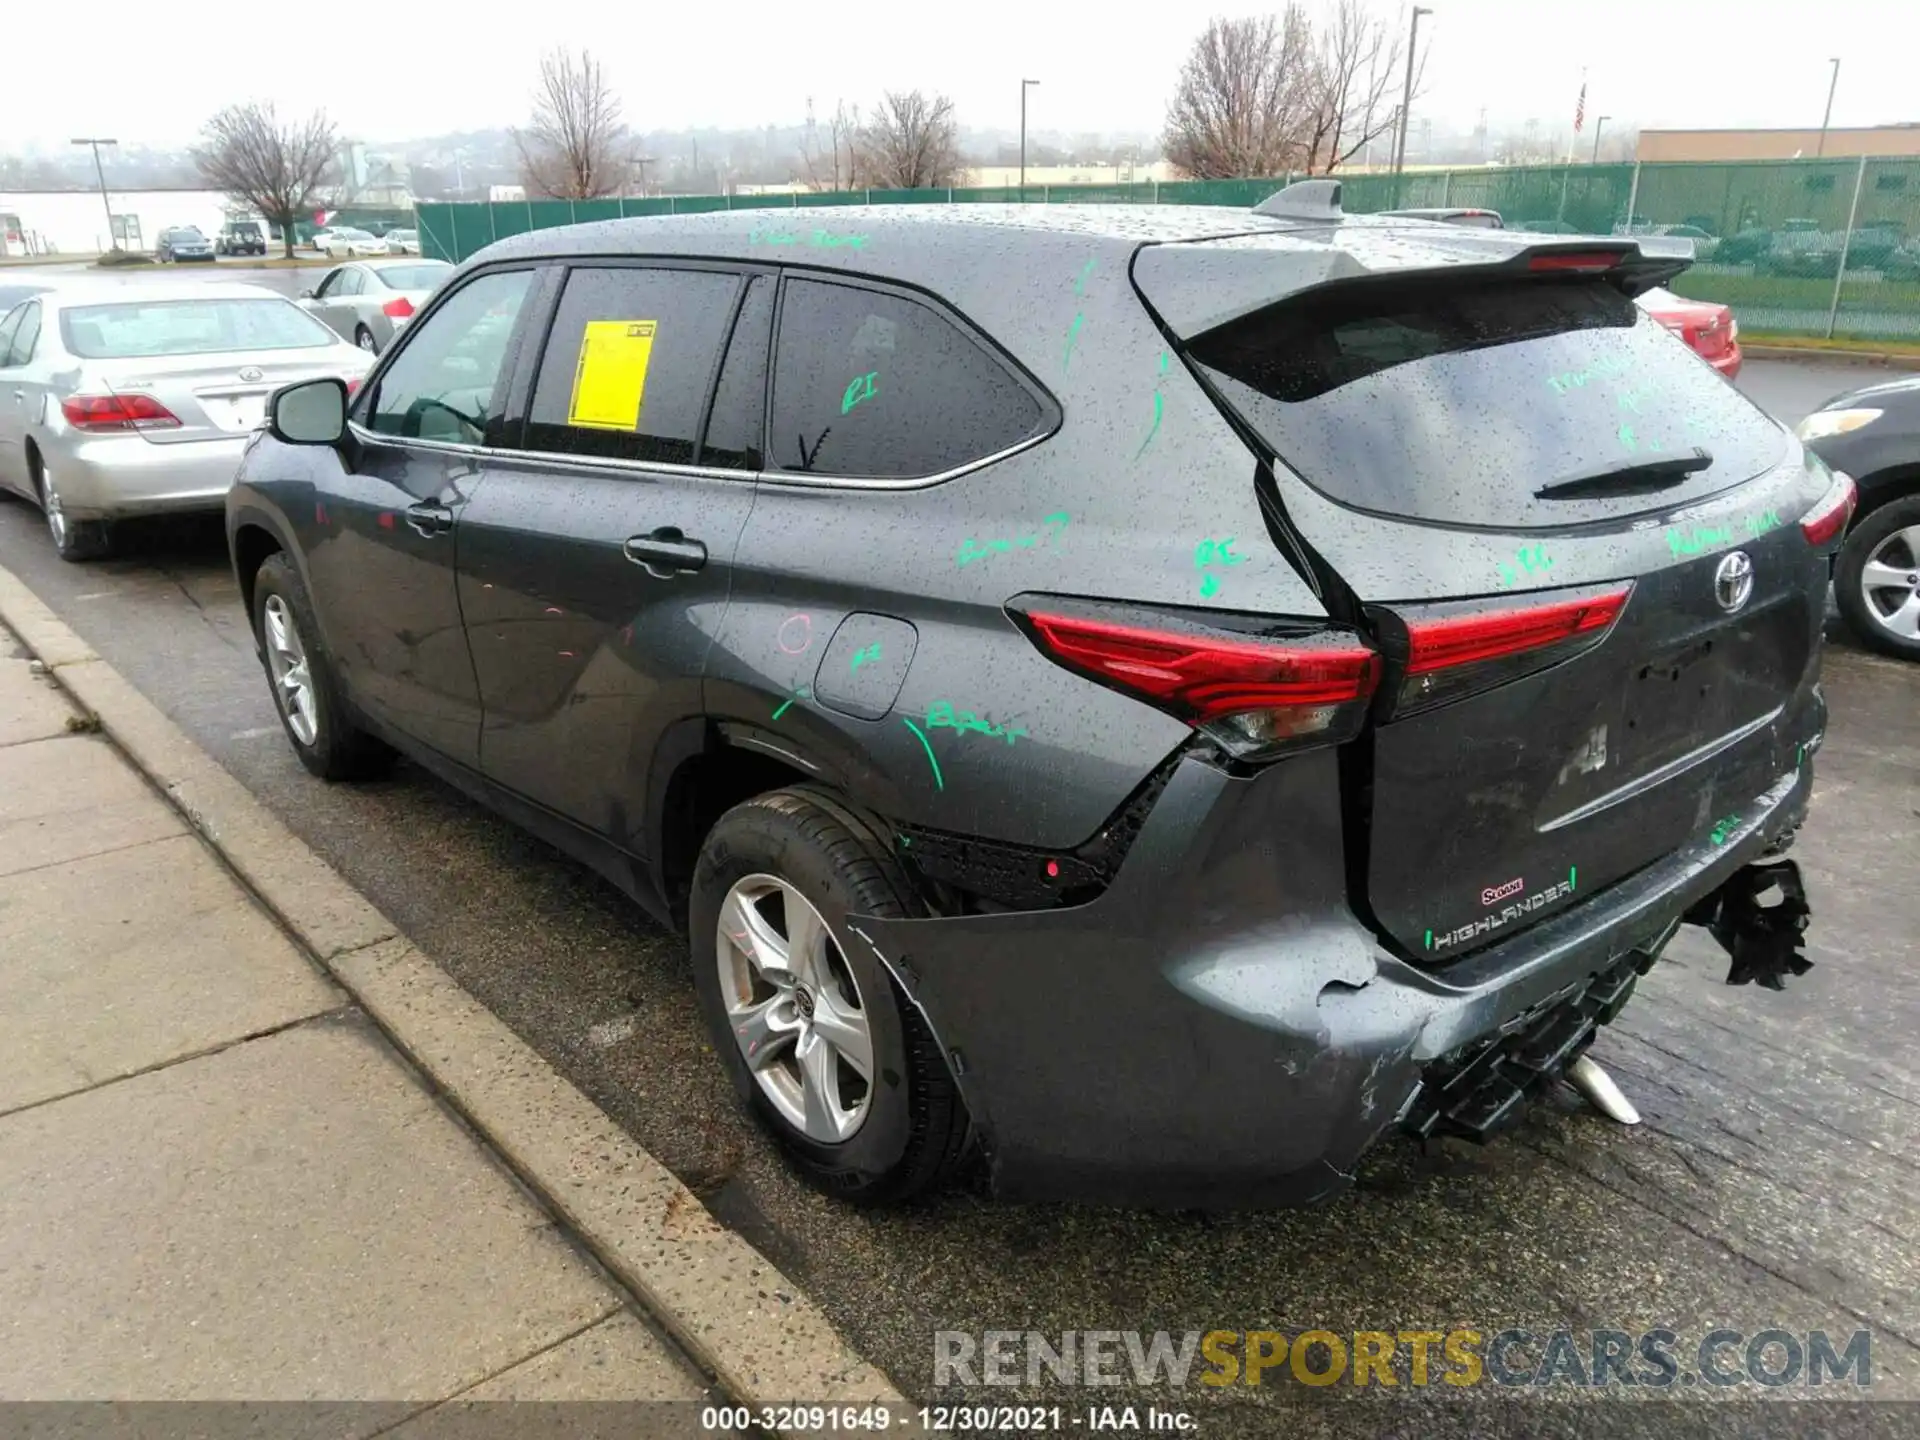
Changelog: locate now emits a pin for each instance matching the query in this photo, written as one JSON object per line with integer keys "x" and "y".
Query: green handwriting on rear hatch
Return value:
{"x": 1602, "y": 369}
{"x": 1529, "y": 560}
{"x": 1691, "y": 540}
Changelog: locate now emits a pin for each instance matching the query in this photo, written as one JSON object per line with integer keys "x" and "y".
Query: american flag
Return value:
{"x": 1580, "y": 108}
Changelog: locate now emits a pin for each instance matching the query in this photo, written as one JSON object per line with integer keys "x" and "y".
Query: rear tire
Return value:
{"x": 76, "y": 541}
{"x": 363, "y": 337}
{"x": 1883, "y": 547}
{"x": 804, "y": 853}
{"x": 306, "y": 692}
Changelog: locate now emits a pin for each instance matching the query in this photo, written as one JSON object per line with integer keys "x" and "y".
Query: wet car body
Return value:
{"x": 1165, "y": 962}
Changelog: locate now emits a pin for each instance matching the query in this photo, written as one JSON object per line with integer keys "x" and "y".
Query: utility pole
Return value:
{"x": 1023, "y": 135}
{"x": 1832, "y": 86}
{"x": 113, "y": 241}
{"x": 1599, "y": 123}
{"x": 1406, "y": 96}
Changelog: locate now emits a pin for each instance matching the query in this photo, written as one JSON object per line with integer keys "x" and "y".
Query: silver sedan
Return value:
{"x": 370, "y": 301}
{"x": 120, "y": 400}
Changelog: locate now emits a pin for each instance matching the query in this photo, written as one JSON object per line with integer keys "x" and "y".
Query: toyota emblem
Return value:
{"x": 252, "y": 372}
{"x": 1733, "y": 581}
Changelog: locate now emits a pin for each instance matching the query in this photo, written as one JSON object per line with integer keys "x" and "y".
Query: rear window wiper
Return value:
{"x": 1636, "y": 477}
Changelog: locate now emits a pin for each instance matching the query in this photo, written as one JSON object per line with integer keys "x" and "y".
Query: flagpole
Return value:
{"x": 1579, "y": 118}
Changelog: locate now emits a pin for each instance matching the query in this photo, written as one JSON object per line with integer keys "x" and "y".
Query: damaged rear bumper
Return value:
{"x": 1218, "y": 1030}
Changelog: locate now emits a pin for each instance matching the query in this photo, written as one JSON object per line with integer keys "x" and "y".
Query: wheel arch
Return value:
{"x": 1883, "y": 487}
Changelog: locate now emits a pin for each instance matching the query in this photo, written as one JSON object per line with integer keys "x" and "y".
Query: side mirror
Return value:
{"x": 307, "y": 294}
{"x": 312, "y": 412}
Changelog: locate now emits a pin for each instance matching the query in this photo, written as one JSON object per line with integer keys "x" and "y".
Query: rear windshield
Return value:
{"x": 413, "y": 277}
{"x": 243, "y": 227}
{"x": 188, "y": 327}
{"x": 1455, "y": 404}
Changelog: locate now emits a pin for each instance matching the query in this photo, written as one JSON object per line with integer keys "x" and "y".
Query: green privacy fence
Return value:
{"x": 1799, "y": 247}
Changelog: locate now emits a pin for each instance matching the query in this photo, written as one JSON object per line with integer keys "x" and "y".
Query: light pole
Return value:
{"x": 1023, "y": 136}
{"x": 1832, "y": 86}
{"x": 113, "y": 241}
{"x": 1406, "y": 96}
{"x": 1598, "y": 122}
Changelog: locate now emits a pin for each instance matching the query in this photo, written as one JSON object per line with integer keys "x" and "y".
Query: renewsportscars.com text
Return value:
{"x": 1585, "y": 1359}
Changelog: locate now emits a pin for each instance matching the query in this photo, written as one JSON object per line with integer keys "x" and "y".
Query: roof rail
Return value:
{"x": 1304, "y": 200}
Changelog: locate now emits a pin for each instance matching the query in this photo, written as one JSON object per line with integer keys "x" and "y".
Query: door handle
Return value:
{"x": 666, "y": 552}
{"x": 430, "y": 518}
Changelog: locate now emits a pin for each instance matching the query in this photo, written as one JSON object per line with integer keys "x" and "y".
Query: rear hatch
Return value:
{"x": 1524, "y": 489}
{"x": 211, "y": 364}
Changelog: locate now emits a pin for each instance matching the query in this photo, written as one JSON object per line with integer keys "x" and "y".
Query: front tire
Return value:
{"x": 814, "y": 1031}
{"x": 1877, "y": 579}
{"x": 305, "y": 691}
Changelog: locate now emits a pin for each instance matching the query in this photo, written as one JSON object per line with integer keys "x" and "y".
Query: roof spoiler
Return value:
{"x": 1304, "y": 200}
{"x": 1635, "y": 264}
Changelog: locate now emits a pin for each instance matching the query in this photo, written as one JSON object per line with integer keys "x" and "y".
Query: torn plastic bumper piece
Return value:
{"x": 1477, "y": 1092}
{"x": 1764, "y": 940}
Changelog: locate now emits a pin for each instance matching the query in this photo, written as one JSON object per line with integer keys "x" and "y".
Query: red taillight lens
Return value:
{"x": 398, "y": 308}
{"x": 1574, "y": 262}
{"x": 1449, "y": 651}
{"x": 1469, "y": 639}
{"x": 1252, "y": 694}
{"x": 1830, "y": 515}
{"x": 117, "y": 412}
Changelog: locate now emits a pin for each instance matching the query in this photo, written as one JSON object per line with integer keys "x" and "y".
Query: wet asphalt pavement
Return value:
{"x": 1773, "y": 1182}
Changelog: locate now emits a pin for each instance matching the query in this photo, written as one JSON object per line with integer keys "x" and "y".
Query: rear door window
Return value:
{"x": 26, "y": 338}
{"x": 629, "y": 363}
{"x": 1457, "y": 403}
{"x": 733, "y": 429}
{"x": 873, "y": 385}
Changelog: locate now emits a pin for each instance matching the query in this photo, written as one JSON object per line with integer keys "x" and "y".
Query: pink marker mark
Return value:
{"x": 795, "y": 635}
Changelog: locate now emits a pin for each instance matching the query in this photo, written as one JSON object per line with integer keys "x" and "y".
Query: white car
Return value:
{"x": 346, "y": 242}
{"x": 119, "y": 400}
{"x": 403, "y": 242}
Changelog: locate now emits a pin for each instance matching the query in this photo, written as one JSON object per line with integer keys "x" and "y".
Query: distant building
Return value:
{"x": 1875, "y": 140}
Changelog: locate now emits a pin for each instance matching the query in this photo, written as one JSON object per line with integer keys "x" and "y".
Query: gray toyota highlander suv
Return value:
{"x": 1155, "y": 698}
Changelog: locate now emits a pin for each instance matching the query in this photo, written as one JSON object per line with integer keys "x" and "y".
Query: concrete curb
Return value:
{"x": 1777, "y": 351}
{"x": 732, "y": 1310}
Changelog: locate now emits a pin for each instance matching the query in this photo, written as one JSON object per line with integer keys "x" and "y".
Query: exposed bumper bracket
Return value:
{"x": 1764, "y": 940}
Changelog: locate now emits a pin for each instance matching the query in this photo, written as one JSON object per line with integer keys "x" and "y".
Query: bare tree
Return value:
{"x": 246, "y": 153}
{"x": 1245, "y": 98}
{"x": 911, "y": 143}
{"x": 1356, "y": 84}
{"x": 831, "y": 158}
{"x": 576, "y": 147}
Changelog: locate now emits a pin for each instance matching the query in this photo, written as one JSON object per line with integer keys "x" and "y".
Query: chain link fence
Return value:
{"x": 1801, "y": 248}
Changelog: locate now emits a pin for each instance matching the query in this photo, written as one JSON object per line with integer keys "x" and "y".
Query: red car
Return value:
{"x": 1709, "y": 328}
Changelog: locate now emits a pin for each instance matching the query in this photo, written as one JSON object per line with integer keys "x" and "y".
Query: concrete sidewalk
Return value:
{"x": 217, "y": 1179}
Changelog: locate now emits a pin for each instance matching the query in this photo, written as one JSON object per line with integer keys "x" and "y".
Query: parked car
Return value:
{"x": 1802, "y": 254}
{"x": 370, "y": 301}
{"x": 1744, "y": 246}
{"x": 12, "y": 294}
{"x": 182, "y": 242}
{"x": 1903, "y": 263}
{"x": 1453, "y": 215}
{"x": 118, "y": 401}
{"x": 1708, "y": 327}
{"x": 241, "y": 237}
{"x": 345, "y": 241}
{"x": 1704, "y": 245}
{"x": 1873, "y": 434}
{"x": 402, "y": 242}
{"x": 1873, "y": 244}
{"x": 1167, "y": 760}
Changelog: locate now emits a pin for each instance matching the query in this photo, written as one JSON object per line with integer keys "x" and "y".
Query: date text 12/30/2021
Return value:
{"x": 947, "y": 1419}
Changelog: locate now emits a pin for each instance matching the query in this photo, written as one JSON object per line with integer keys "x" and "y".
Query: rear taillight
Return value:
{"x": 1253, "y": 693}
{"x": 1450, "y": 650}
{"x": 1830, "y": 514}
{"x": 398, "y": 308}
{"x": 97, "y": 413}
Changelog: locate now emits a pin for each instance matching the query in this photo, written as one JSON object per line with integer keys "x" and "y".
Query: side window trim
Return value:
{"x": 742, "y": 284}
{"x": 363, "y": 408}
{"x": 1051, "y": 417}
{"x": 29, "y": 311}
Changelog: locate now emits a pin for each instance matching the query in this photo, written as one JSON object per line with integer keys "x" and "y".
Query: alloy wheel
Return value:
{"x": 794, "y": 1008}
{"x": 57, "y": 523}
{"x": 292, "y": 680}
{"x": 1890, "y": 583}
{"x": 365, "y": 341}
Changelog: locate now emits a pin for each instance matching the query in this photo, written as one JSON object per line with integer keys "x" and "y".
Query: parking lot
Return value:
{"x": 1772, "y": 1183}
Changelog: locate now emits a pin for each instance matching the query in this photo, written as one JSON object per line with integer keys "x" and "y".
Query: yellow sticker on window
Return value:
{"x": 610, "y": 382}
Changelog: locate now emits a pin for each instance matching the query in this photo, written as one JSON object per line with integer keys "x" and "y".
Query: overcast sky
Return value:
{"x": 140, "y": 72}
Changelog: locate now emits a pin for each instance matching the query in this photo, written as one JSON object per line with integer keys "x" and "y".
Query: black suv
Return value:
{"x": 1163, "y": 696}
{"x": 241, "y": 237}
